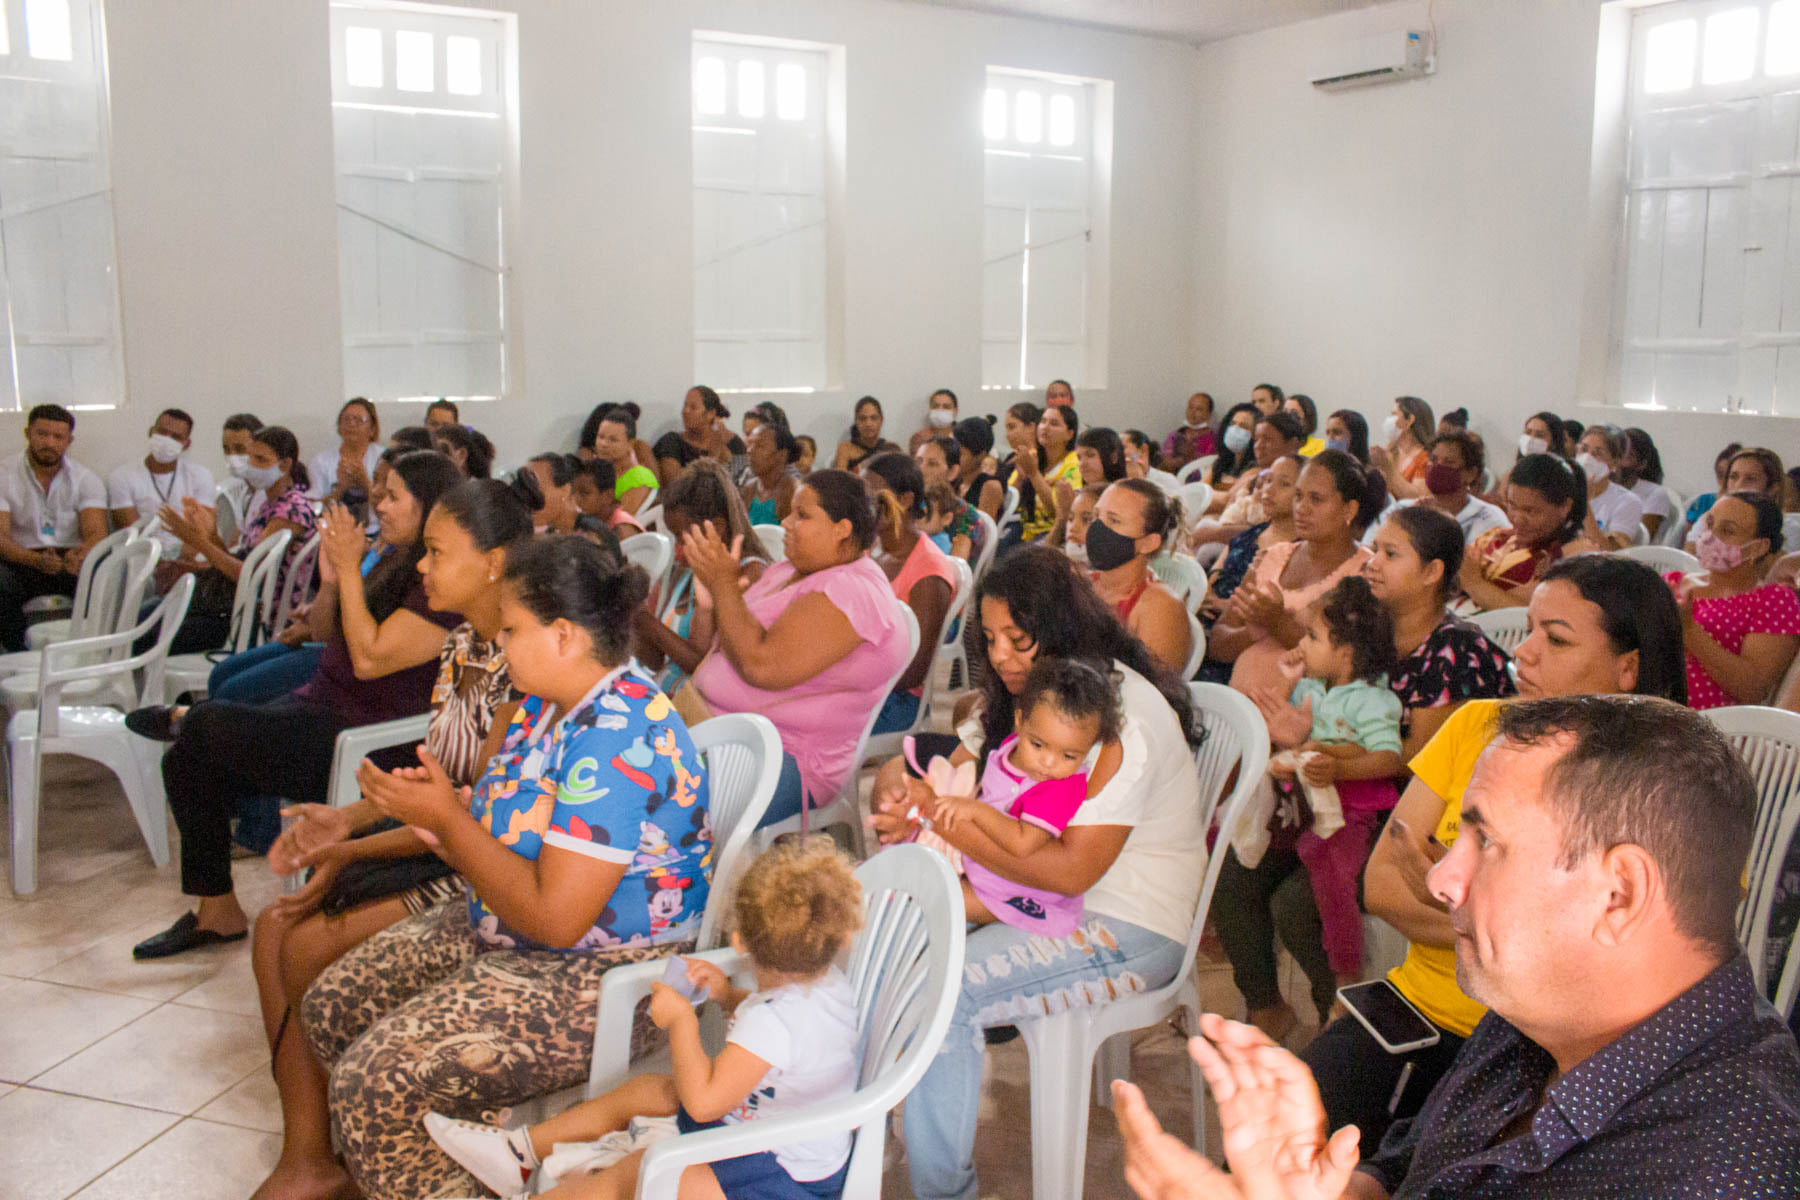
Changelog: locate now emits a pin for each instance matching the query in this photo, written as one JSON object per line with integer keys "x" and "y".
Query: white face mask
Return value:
{"x": 1236, "y": 438}
{"x": 237, "y": 465}
{"x": 1532, "y": 445}
{"x": 1390, "y": 428}
{"x": 164, "y": 449}
{"x": 1593, "y": 468}
{"x": 262, "y": 478}
{"x": 941, "y": 418}
{"x": 1077, "y": 552}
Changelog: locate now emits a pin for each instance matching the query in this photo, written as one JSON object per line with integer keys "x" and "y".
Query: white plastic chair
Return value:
{"x": 906, "y": 966}
{"x": 94, "y": 732}
{"x": 989, "y": 544}
{"x": 1768, "y": 740}
{"x": 252, "y": 604}
{"x": 774, "y": 540}
{"x": 1194, "y": 497}
{"x": 298, "y": 584}
{"x": 1200, "y": 468}
{"x": 649, "y": 518}
{"x": 1080, "y": 1048}
{"x": 846, "y": 806}
{"x": 1640, "y": 536}
{"x": 655, "y": 552}
{"x": 120, "y": 585}
{"x": 886, "y": 745}
{"x": 1196, "y": 647}
{"x": 1009, "y": 512}
{"x": 1184, "y": 576}
{"x": 231, "y": 500}
{"x": 1663, "y": 558}
{"x": 86, "y": 612}
{"x": 1505, "y": 627}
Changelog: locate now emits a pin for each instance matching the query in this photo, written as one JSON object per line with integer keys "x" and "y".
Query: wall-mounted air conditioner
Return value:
{"x": 1386, "y": 58}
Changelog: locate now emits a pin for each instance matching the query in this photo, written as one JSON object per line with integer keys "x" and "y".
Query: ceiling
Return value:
{"x": 1183, "y": 20}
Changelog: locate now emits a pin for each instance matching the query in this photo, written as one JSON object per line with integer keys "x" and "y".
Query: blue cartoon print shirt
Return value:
{"x": 619, "y": 780}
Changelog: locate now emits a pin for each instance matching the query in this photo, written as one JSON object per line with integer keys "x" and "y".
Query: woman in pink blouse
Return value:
{"x": 1739, "y": 632}
{"x": 920, "y": 574}
{"x": 812, "y": 644}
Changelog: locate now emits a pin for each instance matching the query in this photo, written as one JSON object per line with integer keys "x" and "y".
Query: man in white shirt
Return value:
{"x": 1457, "y": 462}
{"x": 52, "y": 512}
{"x": 1613, "y": 512}
{"x": 164, "y": 478}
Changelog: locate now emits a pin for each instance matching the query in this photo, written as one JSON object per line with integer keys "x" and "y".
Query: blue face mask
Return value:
{"x": 1237, "y": 439}
{"x": 1338, "y": 444}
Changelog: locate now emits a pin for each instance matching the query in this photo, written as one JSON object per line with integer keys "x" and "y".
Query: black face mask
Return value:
{"x": 1107, "y": 548}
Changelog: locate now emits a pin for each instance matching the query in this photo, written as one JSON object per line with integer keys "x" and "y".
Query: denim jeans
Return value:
{"x": 788, "y": 794}
{"x": 1009, "y": 975}
{"x": 898, "y": 712}
{"x": 267, "y": 672}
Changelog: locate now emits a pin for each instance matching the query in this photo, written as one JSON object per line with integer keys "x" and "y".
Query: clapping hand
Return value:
{"x": 315, "y": 826}
{"x": 714, "y": 564}
{"x": 1274, "y": 1125}
{"x": 1414, "y": 857}
{"x": 422, "y": 796}
{"x": 342, "y": 541}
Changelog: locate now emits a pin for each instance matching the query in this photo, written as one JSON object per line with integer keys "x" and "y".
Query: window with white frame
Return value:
{"x": 1045, "y": 199}
{"x": 425, "y": 168}
{"x": 58, "y": 257}
{"x": 1710, "y": 276}
{"x": 762, "y": 208}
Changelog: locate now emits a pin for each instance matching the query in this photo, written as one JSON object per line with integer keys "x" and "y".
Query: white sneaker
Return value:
{"x": 482, "y": 1150}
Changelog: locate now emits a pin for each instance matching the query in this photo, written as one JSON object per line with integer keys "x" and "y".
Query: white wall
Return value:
{"x": 1433, "y": 237}
{"x": 227, "y": 228}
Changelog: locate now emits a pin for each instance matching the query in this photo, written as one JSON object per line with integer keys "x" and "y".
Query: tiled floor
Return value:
{"x": 121, "y": 1079}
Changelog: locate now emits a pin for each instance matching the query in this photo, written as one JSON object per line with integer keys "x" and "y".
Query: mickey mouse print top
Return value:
{"x": 617, "y": 779}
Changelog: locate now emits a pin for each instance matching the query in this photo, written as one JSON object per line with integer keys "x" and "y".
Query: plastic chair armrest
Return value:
{"x": 621, "y": 990}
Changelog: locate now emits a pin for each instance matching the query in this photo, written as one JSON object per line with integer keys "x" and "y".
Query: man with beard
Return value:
{"x": 52, "y": 512}
{"x": 1626, "y": 1050}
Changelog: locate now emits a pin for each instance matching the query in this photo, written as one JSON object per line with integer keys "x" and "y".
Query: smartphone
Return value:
{"x": 1388, "y": 1016}
{"x": 676, "y": 976}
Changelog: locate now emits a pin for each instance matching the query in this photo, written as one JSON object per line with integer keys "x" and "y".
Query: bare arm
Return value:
{"x": 45, "y": 560}
{"x": 1014, "y": 836}
{"x": 992, "y": 498}
{"x": 1424, "y": 722}
{"x": 930, "y": 602}
{"x": 810, "y": 636}
{"x": 1161, "y": 623}
{"x": 1747, "y": 676}
{"x": 634, "y": 498}
{"x": 1393, "y": 882}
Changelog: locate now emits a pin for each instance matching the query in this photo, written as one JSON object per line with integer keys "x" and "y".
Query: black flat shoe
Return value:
{"x": 156, "y": 722}
{"x": 184, "y": 934}
{"x": 999, "y": 1035}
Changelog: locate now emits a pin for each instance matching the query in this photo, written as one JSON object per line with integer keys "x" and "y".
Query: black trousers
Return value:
{"x": 1357, "y": 1078}
{"x": 1251, "y": 907}
{"x": 227, "y": 751}
{"x": 19, "y": 583}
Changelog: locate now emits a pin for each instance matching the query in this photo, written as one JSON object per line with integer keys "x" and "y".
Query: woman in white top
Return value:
{"x": 1641, "y": 470}
{"x": 1614, "y": 514}
{"x": 1136, "y": 850}
{"x": 339, "y": 474}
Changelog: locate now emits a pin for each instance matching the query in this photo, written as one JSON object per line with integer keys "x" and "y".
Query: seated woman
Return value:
{"x": 640, "y": 449}
{"x": 1043, "y": 467}
{"x": 1753, "y": 469}
{"x": 920, "y": 574}
{"x": 1454, "y": 421}
{"x": 633, "y": 485}
{"x": 1721, "y": 467}
{"x": 864, "y": 439}
{"x": 769, "y": 490}
{"x": 1458, "y": 461}
{"x": 1739, "y": 632}
{"x": 1613, "y": 512}
{"x": 811, "y": 645}
{"x": 703, "y": 434}
{"x": 1401, "y": 456}
{"x": 1275, "y": 495}
{"x": 1276, "y": 434}
{"x": 1135, "y": 849}
{"x": 594, "y": 489}
{"x": 1599, "y": 626}
{"x": 672, "y": 639}
{"x": 278, "y": 482}
{"x": 379, "y": 664}
{"x": 1546, "y": 501}
{"x": 1346, "y": 430}
{"x": 585, "y": 845}
{"x": 345, "y": 474}
{"x": 1133, "y": 523}
{"x": 1143, "y": 462}
{"x": 468, "y": 448}
{"x": 361, "y": 885}
{"x": 1195, "y": 438}
{"x": 1333, "y": 500}
{"x": 1641, "y": 471}
{"x": 1302, "y": 409}
{"x": 940, "y": 462}
{"x": 980, "y": 486}
{"x": 558, "y": 510}
{"x": 1236, "y": 453}
{"x": 1440, "y": 662}
{"x": 940, "y": 418}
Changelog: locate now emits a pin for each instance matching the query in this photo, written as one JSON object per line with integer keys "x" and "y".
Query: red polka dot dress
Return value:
{"x": 1772, "y": 608}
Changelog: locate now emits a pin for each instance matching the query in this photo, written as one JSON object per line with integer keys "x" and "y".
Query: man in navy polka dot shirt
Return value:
{"x": 1626, "y": 1052}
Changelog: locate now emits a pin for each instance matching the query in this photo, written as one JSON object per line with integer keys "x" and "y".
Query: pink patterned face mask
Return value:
{"x": 1715, "y": 553}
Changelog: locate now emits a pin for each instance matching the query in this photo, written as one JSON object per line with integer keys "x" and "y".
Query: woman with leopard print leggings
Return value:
{"x": 585, "y": 845}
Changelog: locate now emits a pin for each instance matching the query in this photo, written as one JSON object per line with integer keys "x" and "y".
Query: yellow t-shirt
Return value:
{"x": 1312, "y": 446}
{"x": 1035, "y": 524}
{"x": 1428, "y": 976}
